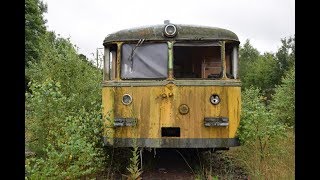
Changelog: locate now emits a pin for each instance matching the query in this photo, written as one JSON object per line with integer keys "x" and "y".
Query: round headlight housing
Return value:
{"x": 126, "y": 99}
{"x": 215, "y": 99}
{"x": 170, "y": 30}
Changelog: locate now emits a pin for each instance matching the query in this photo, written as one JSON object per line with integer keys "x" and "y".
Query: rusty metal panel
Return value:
{"x": 158, "y": 106}
{"x": 216, "y": 121}
{"x": 175, "y": 142}
{"x": 108, "y": 113}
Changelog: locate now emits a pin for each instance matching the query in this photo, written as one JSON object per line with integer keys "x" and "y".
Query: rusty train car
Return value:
{"x": 171, "y": 86}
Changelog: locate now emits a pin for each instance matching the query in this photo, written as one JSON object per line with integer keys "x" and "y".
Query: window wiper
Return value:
{"x": 130, "y": 58}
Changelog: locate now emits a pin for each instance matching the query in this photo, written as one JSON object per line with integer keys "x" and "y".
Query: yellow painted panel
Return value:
{"x": 157, "y": 107}
{"x": 108, "y": 113}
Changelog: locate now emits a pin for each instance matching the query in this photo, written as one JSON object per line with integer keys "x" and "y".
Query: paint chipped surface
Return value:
{"x": 155, "y": 108}
{"x": 185, "y": 32}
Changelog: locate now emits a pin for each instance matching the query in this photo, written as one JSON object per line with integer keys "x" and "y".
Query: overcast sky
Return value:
{"x": 88, "y": 22}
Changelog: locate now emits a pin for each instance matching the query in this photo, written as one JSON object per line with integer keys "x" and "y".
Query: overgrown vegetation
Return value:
{"x": 223, "y": 166}
{"x": 134, "y": 169}
{"x": 283, "y": 104}
{"x": 63, "y": 109}
{"x": 63, "y": 105}
{"x": 66, "y": 142}
{"x": 278, "y": 161}
{"x": 259, "y": 126}
{"x": 268, "y": 112}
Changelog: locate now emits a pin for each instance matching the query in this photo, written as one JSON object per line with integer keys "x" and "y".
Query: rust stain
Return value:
{"x": 154, "y": 111}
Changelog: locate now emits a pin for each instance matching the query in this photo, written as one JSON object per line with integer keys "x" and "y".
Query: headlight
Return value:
{"x": 126, "y": 99}
{"x": 215, "y": 99}
{"x": 170, "y": 30}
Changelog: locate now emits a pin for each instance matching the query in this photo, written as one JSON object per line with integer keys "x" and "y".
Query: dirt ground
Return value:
{"x": 169, "y": 164}
{"x": 166, "y": 165}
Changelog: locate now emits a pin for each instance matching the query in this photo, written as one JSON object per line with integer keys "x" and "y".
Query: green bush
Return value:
{"x": 67, "y": 143}
{"x": 63, "y": 104}
{"x": 258, "y": 124}
{"x": 283, "y": 104}
{"x": 61, "y": 63}
{"x": 45, "y": 109}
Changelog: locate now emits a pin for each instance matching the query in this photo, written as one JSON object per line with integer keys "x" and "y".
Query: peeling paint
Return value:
{"x": 185, "y": 32}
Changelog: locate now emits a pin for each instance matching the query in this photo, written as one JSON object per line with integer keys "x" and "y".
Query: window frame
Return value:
{"x": 144, "y": 43}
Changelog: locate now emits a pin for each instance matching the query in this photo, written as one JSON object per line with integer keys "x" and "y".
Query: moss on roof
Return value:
{"x": 185, "y": 32}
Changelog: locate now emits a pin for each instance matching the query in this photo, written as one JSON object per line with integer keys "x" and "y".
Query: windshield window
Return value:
{"x": 197, "y": 61}
{"x": 144, "y": 61}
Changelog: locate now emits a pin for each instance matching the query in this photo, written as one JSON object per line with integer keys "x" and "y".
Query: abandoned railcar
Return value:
{"x": 171, "y": 86}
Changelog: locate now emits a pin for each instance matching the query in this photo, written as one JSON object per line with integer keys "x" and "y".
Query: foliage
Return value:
{"x": 283, "y": 104}
{"x": 266, "y": 141}
{"x": 61, "y": 63}
{"x": 73, "y": 156}
{"x": 135, "y": 171}
{"x": 262, "y": 73}
{"x": 286, "y": 54}
{"x": 280, "y": 155}
{"x": 67, "y": 143}
{"x": 248, "y": 53}
{"x": 63, "y": 112}
{"x": 265, "y": 71}
{"x": 44, "y": 109}
{"x": 34, "y": 29}
{"x": 258, "y": 124}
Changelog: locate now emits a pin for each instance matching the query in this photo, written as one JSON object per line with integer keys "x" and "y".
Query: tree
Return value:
{"x": 262, "y": 73}
{"x": 283, "y": 104}
{"x": 247, "y": 55}
{"x": 265, "y": 71}
{"x": 258, "y": 70}
{"x": 63, "y": 113}
{"x": 61, "y": 63}
{"x": 258, "y": 126}
{"x": 286, "y": 54}
{"x": 34, "y": 29}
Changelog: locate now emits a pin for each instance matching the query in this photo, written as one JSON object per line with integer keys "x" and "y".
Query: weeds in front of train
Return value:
{"x": 134, "y": 169}
{"x": 266, "y": 141}
{"x": 135, "y": 165}
{"x": 124, "y": 159}
{"x": 216, "y": 165}
{"x": 258, "y": 123}
{"x": 278, "y": 162}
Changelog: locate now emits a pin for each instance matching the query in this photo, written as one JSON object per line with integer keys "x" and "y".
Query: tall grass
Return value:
{"x": 278, "y": 163}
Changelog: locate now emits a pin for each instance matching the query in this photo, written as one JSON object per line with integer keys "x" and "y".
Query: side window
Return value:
{"x": 231, "y": 61}
{"x": 235, "y": 61}
{"x": 113, "y": 61}
{"x": 110, "y": 58}
{"x": 106, "y": 64}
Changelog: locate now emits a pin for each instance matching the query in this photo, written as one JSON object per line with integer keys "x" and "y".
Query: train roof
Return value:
{"x": 184, "y": 32}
